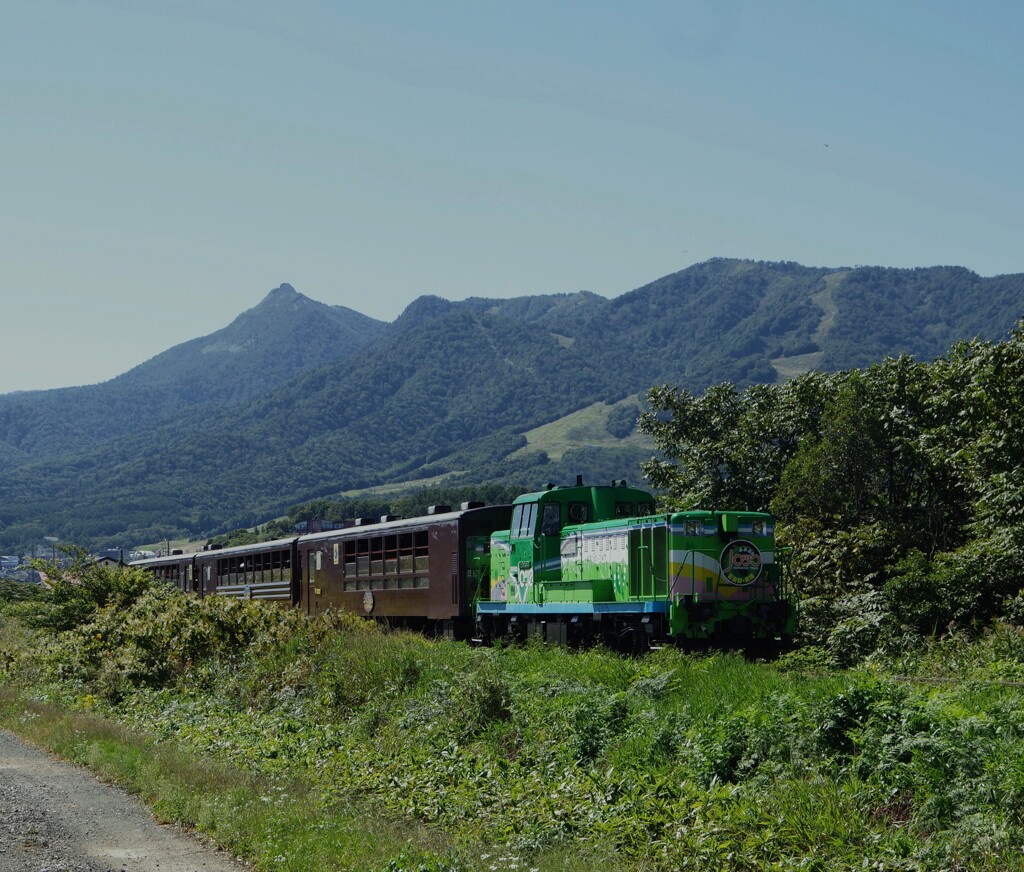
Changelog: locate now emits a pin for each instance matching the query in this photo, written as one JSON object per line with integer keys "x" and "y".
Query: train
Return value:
{"x": 572, "y": 564}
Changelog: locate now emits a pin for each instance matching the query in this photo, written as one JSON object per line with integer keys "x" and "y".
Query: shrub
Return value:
{"x": 77, "y": 592}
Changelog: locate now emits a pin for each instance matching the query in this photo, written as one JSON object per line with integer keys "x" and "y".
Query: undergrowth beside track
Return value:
{"x": 326, "y": 743}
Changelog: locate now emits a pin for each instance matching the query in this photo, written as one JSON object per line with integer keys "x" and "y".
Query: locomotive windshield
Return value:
{"x": 523, "y": 518}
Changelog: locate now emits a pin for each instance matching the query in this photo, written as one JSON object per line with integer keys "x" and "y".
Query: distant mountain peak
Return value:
{"x": 424, "y": 308}
{"x": 282, "y": 298}
{"x": 282, "y": 293}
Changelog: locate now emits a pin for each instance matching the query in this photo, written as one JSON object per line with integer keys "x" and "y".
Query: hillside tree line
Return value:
{"x": 900, "y": 487}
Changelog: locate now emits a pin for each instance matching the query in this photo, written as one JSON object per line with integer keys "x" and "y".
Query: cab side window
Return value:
{"x": 551, "y": 521}
{"x": 578, "y": 513}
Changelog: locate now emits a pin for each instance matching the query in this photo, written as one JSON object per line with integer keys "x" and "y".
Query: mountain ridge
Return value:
{"x": 453, "y": 386}
{"x": 229, "y": 365}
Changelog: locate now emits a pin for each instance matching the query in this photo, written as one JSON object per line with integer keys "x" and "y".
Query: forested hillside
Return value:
{"x": 297, "y": 400}
{"x": 285, "y": 335}
{"x": 900, "y": 486}
{"x": 916, "y": 311}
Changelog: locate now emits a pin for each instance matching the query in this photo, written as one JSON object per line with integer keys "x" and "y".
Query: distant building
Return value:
{"x": 108, "y": 561}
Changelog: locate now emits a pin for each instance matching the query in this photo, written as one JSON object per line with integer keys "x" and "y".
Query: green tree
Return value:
{"x": 900, "y": 486}
{"x": 727, "y": 448}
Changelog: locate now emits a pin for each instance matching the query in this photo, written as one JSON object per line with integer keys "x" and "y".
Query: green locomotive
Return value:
{"x": 597, "y": 563}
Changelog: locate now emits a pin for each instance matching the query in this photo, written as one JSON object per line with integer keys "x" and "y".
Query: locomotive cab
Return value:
{"x": 546, "y": 583}
{"x": 597, "y": 562}
{"x": 530, "y": 557}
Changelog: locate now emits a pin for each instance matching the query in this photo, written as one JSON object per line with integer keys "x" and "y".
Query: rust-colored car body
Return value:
{"x": 422, "y": 573}
{"x": 175, "y": 569}
{"x": 265, "y": 570}
{"x": 416, "y": 572}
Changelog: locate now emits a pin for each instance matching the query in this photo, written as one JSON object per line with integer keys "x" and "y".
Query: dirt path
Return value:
{"x": 56, "y": 817}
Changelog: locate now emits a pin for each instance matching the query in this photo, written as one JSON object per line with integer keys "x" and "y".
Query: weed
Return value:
{"x": 326, "y": 743}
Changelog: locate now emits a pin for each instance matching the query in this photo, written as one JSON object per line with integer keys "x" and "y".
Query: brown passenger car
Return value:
{"x": 422, "y": 573}
{"x": 266, "y": 570}
{"x": 175, "y": 569}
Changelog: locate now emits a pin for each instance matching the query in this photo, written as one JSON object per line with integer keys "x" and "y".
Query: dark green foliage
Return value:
{"x": 76, "y": 593}
{"x": 622, "y": 420}
{"x": 963, "y": 589}
{"x": 12, "y": 592}
{"x": 902, "y": 486}
{"x": 727, "y": 449}
{"x": 917, "y": 311}
{"x": 720, "y": 320}
{"x": 836, "y": 475}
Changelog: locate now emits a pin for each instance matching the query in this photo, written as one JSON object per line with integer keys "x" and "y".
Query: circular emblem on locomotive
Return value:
{"x": 741, "y": 562}
{"x": 368, "y": 601}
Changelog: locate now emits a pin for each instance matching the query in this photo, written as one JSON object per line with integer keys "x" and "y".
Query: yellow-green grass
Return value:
{"x": 585, "y": 426}
{"x": 272, "y": 823}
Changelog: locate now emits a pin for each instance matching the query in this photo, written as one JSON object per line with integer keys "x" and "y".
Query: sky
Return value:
{"x": 165, "y": 164}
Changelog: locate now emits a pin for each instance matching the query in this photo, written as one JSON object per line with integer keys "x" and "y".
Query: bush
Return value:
{"x": 74, "y": 594}
{"x": 622, "y": 420}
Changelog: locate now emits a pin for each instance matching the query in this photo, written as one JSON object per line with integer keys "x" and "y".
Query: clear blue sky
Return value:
{"x": 165, "y": 164}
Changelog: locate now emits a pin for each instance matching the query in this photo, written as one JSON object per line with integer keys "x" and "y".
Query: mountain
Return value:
{"x": 451, "y": 388}
{"x": 283, "y": 336}
{"x": 921, "y": 312}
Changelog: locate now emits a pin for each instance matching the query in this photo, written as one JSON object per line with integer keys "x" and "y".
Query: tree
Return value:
{"x": 726, "y": 448}
{"x": 900, "y": 486}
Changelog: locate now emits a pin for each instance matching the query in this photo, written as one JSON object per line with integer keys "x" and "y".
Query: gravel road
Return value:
{"x": 56, "y": 817}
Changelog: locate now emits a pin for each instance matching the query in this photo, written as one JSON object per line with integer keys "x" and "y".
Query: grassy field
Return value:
{"x": 328, "y": 744}
{"x": 584, "y": 427}
{"x": 790, "y": 367}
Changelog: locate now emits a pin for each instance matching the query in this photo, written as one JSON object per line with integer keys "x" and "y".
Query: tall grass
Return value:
{"x": 275, "y": 823}
{"x": 342, "y": 744}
